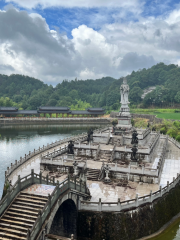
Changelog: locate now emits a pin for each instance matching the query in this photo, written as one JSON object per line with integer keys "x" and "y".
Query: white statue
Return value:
{"x": 124, "y": 90}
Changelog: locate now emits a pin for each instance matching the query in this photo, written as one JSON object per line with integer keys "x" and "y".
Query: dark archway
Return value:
{"x": 65, "y": 221}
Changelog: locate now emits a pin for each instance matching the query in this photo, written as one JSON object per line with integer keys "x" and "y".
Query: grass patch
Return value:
{"x": 175, "y": 116}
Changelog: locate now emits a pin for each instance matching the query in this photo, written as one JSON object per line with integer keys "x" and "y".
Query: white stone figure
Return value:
{"x": 124, "y": 90}
{"x": 107, "y": 169}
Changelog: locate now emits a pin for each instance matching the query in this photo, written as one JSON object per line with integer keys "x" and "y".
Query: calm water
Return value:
{"x": 16, "y": 141}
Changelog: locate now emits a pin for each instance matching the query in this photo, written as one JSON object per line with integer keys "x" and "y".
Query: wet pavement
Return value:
{"x": 171, "y": 164}
{"x": 39, "y": 189}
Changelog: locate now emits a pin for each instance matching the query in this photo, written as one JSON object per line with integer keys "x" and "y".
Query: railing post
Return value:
{"x": 80, "y": 184}
{"x": 49, "y": 200}
{"x": 119, "y": 205}
{"x": 28, "y": 234}
{"x": 160, "y": 191}
{"x": 32, "y": 176}
{"x": 75, "y": 182}
{"x": 8, "y": 196}
{"x": 137, "y": 204}
{"x": 19, "y": 183}
{"x": 79, "y": 204}
{"x": 40, "y": 177}
{"x": 151, "y": 196}
{"x": 168, "y": 186}
{"x": 99, "y": 205}
{"x": 68, "y": 181}
{"x": 40, "y": 219}
{"x": 47, "y": 179}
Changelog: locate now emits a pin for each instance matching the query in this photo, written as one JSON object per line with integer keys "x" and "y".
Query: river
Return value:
{"x": 18, "y": 140}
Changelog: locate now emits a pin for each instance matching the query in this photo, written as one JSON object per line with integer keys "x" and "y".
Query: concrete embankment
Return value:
{"x": 28, "y": 120}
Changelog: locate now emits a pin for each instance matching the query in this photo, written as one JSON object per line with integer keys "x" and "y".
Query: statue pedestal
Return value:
{"x": 70, "y": 156}
{"x": 124, "y": 120}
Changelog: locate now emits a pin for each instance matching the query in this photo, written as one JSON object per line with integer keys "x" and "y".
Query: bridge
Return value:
{"x": 26, "y": 213}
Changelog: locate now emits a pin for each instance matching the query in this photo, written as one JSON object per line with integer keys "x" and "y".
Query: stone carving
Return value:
{"x": 153, "y": 129}
{"x": 90, "y": 135}
{"x": 107, "y": 168}
{"x": 134, "y": 153}
{"x": 124, "y": 90}
{"x": 134, "y": 137}
{"x": 71, "y": 147}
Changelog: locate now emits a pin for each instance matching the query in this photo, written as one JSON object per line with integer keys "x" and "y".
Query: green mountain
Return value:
{"x": 30, "y": 93}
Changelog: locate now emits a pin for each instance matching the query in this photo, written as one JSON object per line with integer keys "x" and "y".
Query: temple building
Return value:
{"x": 43, "y": 110}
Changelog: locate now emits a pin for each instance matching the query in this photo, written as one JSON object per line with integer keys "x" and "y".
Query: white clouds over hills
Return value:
{"x": 29, "y": 47}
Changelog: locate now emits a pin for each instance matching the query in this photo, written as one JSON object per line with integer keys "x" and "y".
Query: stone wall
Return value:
{"x": 12, "y": 121}
{"x": 129, "y": 225}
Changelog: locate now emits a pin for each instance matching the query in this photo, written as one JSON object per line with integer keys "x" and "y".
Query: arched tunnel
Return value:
{"x": 65, "y": 221}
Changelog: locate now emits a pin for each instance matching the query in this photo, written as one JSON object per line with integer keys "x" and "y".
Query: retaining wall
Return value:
{"x": 28, "y": 120}
{"x": 130, "y": 224}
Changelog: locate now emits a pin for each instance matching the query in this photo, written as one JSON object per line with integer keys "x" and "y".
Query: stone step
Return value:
{"x": 12, "y": 236}
{"x": 19, "y": 223}
{"x": 17, "y": 210}
{"x": 26, "y": 195}
{"x": 5, "y": 225}
{"x": 9, "y": 217}
{"x": 26, "y": 207}
{"x": 29, "y": 204}
{"x": 31, "y": 200}
{"x": 10, "y": 230}
{"x": 11, "y": 213}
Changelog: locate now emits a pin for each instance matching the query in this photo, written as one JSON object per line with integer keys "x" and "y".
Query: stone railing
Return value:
{"x": 21, "y": 184}
{"x": 67, "y": 184}
{"x": 33, "y": 178}
{"x": 162, "y": 157}
{"x": 55, "y": 153}
{"x": 146, "y": 132}
{"x": 154, "y": 141}
{"x": 108, "y": 138}
{"x": 134, "y": 170}
{"x": 175, "y": 142}
{"x": 85, "y": 146}
{"x": 97, "y": 153}
{"x": 113, "y": 154}
{"x": 129, "y": 204}
{"x": 40, "y": 150}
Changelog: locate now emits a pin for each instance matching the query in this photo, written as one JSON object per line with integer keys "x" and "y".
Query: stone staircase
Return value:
{"x": 21, "y": 216}
{"x": 93, "y": 174}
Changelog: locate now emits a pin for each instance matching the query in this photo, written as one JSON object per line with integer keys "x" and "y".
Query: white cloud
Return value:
{"x": 76, "y": 3}
{"x": 29, "y": 47}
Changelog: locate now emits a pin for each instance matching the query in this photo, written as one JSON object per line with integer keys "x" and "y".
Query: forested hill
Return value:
{"x": 30, "y": 93}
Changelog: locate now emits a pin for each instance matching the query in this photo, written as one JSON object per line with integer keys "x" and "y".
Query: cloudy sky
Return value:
{"x": 54, "y": 40}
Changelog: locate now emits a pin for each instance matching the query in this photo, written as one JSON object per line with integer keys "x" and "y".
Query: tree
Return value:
{"x": 177, "y": 97}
